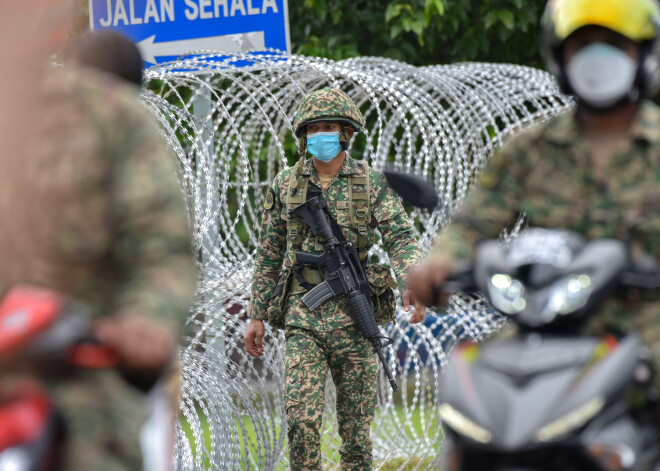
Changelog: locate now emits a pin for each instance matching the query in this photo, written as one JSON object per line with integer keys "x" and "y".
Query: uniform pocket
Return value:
{"x": 369, "y": 393}
{"x": 293, "y": 381}
{"x": 278, "y": 299}
{"x": 383, "y": 300}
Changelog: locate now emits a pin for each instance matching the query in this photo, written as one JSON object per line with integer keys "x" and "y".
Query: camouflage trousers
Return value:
{"x": 354, "y": 370}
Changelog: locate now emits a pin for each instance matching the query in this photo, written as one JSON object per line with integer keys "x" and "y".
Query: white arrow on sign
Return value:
{"x": 243, "y": 42}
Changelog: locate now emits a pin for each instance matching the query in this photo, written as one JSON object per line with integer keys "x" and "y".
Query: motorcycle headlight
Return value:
{"x": 14, "y": 459}
{"x": 507, "y": 294}
{"x": 571, "y": 421}
{"x": 463, "y": 425}
{"x": 569, "y": 294}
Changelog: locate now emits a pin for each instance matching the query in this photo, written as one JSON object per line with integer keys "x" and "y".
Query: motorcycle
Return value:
{"x": 42, "y": 334}
{"x": 550, "y": 398}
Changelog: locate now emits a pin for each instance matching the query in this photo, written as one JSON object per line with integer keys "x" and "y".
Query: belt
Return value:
{"x": 311, "y": 275}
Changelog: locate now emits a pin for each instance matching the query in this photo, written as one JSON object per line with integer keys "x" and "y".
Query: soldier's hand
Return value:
{"x": 425, "y": 281}
{"x": 254, "y": 337}
{"x": 420, "y": 310}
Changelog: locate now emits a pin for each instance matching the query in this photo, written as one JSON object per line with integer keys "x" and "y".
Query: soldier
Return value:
{"x": 360, "y": 200}
{"x": 594, "y": 170}
{"x": 91, "y": 208}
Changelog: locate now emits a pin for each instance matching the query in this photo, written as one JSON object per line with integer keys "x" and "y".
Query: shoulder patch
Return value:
{"x": 270, "y": 199}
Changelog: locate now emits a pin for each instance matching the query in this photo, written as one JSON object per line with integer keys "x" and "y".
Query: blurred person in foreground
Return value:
{"x": 594, "y": 170}
{"x": 30, "y": 31}
{"x": 91, "y": 208}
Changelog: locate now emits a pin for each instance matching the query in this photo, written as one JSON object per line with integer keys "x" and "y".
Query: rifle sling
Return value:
{"x": 301, "y": 279}
{"x": 279, "y": 289}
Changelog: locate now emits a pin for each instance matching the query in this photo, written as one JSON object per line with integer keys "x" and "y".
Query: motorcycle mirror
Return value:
{"x": 413, "y": 189}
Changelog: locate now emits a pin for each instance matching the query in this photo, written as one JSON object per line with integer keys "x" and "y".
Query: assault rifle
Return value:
{"x": 342, "y": 274}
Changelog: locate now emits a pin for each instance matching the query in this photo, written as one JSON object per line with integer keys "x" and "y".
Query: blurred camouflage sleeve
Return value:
{"x": 153, "y": 238}
{"x": 490, "y": 207}
{"x": 270, "y": 253}
{"x": 395, "y": 228}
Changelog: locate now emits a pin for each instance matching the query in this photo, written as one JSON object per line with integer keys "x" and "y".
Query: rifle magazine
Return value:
{"x": 318, "y": 295}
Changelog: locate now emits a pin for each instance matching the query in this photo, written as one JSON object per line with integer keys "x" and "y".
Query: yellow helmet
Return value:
{"x": 638, "y": 20}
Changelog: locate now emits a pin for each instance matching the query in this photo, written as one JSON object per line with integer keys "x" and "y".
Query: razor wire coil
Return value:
{"x": 229, "y": 126}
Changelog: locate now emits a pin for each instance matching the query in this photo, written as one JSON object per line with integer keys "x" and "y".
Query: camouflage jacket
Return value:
{"x": 546, "y": 173}
{"x": 92, "y": 208}
{"x": 94, "y": 204}
{"x": 275, "y": 252}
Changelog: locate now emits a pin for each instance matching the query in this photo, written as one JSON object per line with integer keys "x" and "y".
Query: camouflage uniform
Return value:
{"x": 546, "y": 173}
{"x": 328, "y": 337}
{"x": 92, "y": 209}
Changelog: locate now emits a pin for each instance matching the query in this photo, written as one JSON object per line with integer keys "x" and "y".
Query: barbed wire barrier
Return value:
{"x": 230, "y": 128}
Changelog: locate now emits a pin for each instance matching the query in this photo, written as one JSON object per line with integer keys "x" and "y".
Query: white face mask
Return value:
{"x": 601, "y": 75}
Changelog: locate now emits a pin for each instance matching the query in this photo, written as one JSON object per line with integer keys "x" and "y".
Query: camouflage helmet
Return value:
{"x": 328, "y": 104}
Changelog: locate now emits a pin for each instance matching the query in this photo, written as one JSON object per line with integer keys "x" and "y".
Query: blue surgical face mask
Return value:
{"x": 324, "y": 145}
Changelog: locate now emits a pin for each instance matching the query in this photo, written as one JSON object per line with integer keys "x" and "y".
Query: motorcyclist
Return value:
{"x": 91, "y": 209}
{"x": 594, "y": 170}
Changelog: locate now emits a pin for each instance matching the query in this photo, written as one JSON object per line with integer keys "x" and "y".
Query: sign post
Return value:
{"x": 167, "y": 29}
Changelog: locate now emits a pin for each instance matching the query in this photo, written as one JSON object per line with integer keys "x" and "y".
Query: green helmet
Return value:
{"x": 328, "y": 104}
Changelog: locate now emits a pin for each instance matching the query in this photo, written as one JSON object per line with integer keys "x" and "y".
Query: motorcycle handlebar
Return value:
{"x": 643, "y": 273}
{"x": 58, "y": 333}
{"x": 461, "y": 281}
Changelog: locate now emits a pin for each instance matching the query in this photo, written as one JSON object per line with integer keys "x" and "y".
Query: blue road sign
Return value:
{"x": 167, "y": 29}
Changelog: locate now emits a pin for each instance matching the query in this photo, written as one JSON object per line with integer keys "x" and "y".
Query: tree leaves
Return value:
{"x": 419, "y": 31}
{"x": 504, "y": 16}
{"x": 409, "y": 17}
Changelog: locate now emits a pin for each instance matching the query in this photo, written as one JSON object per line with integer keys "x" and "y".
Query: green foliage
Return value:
{"x": 420, "y": 32}
{"x": 411, "y": 464}
{"x": 250, "y": 441}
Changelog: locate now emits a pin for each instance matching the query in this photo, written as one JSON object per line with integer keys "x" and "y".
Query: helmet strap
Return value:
{"x": 344, "y": 140}
{"x": 302, "y": 146}
{"x": 648, "y": 74}
{"x": 560, "y": 72}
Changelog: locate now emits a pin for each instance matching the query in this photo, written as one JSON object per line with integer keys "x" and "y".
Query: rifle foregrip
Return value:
{"x": 361, "y": 309}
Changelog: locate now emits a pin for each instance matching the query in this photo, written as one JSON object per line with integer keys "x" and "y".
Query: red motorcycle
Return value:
{"x": 42, "y": 334}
